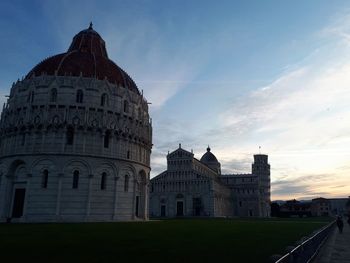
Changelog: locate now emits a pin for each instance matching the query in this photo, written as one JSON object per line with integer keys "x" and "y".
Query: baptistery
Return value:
{"x": 76, "y": 140}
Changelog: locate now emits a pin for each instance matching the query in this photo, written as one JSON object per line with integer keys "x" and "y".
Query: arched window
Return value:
{"x": 126, "y": 106}
{"x": 80, "y": 96}
{"x": 126, "y": 183}
{"x": 45, "y": 178}
{"x": 70, "y": 136}
{"x": 103, "y": 181}
{"x": 104, "y": 100}
{"x": 53, "y": 95}
{"x": 179, "y": 196}
{"x": 75, "y": 179}
{"x": 106, "y": 139}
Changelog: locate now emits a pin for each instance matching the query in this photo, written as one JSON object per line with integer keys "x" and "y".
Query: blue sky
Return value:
{"x": 232, "y": 74}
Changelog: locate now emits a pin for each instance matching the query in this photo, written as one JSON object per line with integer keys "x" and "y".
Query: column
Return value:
{"x": 88, "y": 201}
{"x": 134, "y": 199}
{"x": 59, "y": 191}
{"x": 146, "y": 201}
{"x": 75, "y": 139}
{"x": 103, "y": 134}
{"x": 64, "y": 130}
{"x": 32, "y": 139}
{"x": 84, "y": 139}
{"x": 26, "y": 138}
{"x": 8, "y": 184}
{"x": 115, "y": 207}
{"x": 2, "y": 197}
{"x": 27, "y": 195}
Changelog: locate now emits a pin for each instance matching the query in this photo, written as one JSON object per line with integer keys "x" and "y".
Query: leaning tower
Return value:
{"x": 261, "y": 169}
{"x": 76, "y": 140}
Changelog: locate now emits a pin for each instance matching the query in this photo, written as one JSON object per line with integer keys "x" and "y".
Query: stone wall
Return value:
{"x": 59, "y": 201}
{"x": 62, "y": 125}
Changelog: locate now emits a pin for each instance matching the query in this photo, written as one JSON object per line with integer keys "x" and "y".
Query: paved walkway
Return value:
{"x": 337, "y": 247}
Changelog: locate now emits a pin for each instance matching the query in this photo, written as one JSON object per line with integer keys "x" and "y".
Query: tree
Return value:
{"x": 275, "y": 209}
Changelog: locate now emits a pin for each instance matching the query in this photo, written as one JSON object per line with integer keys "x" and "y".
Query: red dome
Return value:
{"x": 86, "y": 56}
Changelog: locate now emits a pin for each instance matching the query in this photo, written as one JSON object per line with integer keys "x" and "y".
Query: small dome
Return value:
{"x": 87, "y": 56}
{"x": 208, "y": 157}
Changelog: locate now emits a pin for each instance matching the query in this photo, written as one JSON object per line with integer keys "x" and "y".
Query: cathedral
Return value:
{"x": 191, "y": 187}
{"x": 76, "y": 140}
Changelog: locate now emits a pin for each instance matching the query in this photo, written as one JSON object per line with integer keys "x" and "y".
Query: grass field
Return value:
{"x": 207, "y": 240}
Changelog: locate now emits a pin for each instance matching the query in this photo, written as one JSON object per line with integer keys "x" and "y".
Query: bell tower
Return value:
{"x": 261, "y": 169}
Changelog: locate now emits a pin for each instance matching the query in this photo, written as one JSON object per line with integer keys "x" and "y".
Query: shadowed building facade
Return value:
{"x": 76, "y": 140}
{"x": 192, "y": 187}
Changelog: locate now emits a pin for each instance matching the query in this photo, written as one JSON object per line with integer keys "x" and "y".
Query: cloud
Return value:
{"x": 339, "y": 28}
{"x": 300, "y": 119}
{"x": 136, "y": 41}
{"x": 240, "y": 164}
{"x": 307, "y": 186}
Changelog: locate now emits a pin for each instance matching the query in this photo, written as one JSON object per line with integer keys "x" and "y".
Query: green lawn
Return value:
{"x": 207, "y": 240}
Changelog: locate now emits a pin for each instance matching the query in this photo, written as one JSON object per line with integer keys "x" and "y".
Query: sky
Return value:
{"x": 234, "y": 75}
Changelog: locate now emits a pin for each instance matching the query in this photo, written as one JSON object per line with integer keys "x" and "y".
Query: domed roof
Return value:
{"x": 208, "y": 157}
{"x": 87, "y": 56}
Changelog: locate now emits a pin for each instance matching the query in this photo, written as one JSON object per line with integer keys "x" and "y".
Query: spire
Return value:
{"x": 208, "y": 149}
{"x": 90, "y": 27}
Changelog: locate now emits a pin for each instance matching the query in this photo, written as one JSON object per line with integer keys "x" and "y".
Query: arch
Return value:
{"x": 15, "y": 193}
{"x": 74, "y": 165}
{"x": 14, "y": 165}
{"x": 37, "y": 162}
{"x": 3, "y": 168}
{"x": 128, "y": 168}
{"x": 179, "y": 196}
{"x": 127, "y": 172}
{"x": 109, "y": 168}
{"x": 141, "y": 177}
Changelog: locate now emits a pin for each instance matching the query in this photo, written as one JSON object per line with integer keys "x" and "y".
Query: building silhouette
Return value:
{"x": 76, "y": 139}
{"x": 192, "y": 187}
